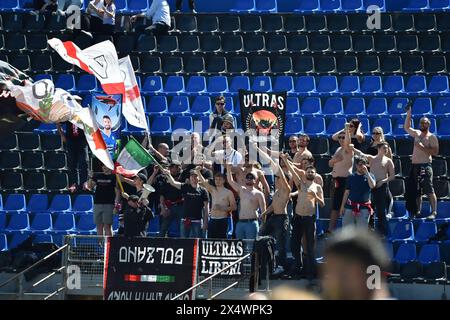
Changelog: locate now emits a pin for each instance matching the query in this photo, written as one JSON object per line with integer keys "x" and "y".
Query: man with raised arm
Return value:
{"x": 251, "y": 199}
{"x": 383, "y": 169}
{"x": 426, "y": 145}
{"x": 310, "y": 195}
{"x": 275, "y": 219}
{"x": 223, "y": 204}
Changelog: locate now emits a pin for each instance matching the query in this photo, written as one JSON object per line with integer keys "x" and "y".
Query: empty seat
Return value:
{"x": 330, "y": 5}
{"x": 351, "y": 5}
{"x": 294, "y": 125}
{"x": 303, "y": 64}
{"x": 341, "y": 43}
{"x": 34, "y": 181}
{"x": 8, "y": 142}
{"x": 86, "y": 225}
{"x": 229, "y": 23}
{"x": 367, "y": 64}
{"x": 42, "y": 223}
{"x": 186, "y": 23}
{"x": 438, "y": 84}
{"x": 384, "y": 43}
{"x": 15, "y": 202}
{"x": 325, "y": 64}
{"x": 217, "y": 84}
{"x": 18, "y": 222}
{"x": 407, "y": 43}
{"x": 254, "y": 43}
{"x": 335, "y": 125}
{"x": 259, "y": 64}
{"x": 305, "y": 85}
{"x": 189, "y": 44}
{"x": 294, "y": 23}
{"x": 207, "y": 23}
{"x": 32, "y": 160}
{"x": 370, "y": 84}
{"x": 201, "y": 106}
{"x": 349, "y": 84}
{"x": 167, "y": 43}
{"x": 385, "y": 124}
{"x": 315, "y": 126}
{"x": 284, "y": 83}
{"x": 37, "y": 42}
{"x": 429, "y": 253}
{"x": 66, "y": 82}
{"x": 10, "y": 160}
{"x": 425, "y": 231}
{"x": 3, "y": 242}
{"x": 441, "y": 187}
{"x": 37, "y": 203}
{"x": 11, "y": 181}
{"x": 377, "y": 106}
{"x": 55, "y": 161}
{"x": 272, "y": 23}
{"x": 146, "y": 44}
{"x": 276, "y": 43}
{"x": 64, "y": 224}
{"x": 333, "y": 106}
{"x": 179, "y": 105}
{"x": 232, "y": 43}
{"x": 183, "y": 123}
{"x": 20, "y": 61}
{"x": 292, "y": 106}
{"x": 355, "y": 107}
{"x": 172, "y": 64}
{"x": 60, "y": 203}
{"x": 390, "y": 64}
{"x": 362, "y": 43}
{"x": 262, "y": 84}
{"x": 216, "y": 64}
{"x": 397, "y": 187}
{"x": 412, "y": 64}
{"x": 57, "y": 181}
{"x": 251, "y": 24}
{"x": 297, "y": 43}
{"x": 51, "y": 142}
{"x": 243, "y": 6}
{"x": 315, "y": 22}
{"x": 393, "y": 84}
{"x": 239, "y": 82}
{"x": 403, "y": 230}
{"x": 196, "y": 85}
{"x": 162, "y": 126}
{"x": 320, "y": 43}
{"x": 15, "y": 42}
{"x": 416, "y": 84}
{"x": 174, "y": 84}
{"x": 152, "y": 84}
{"x": 435, "y": 64}
{"x": 422, "y": 106}
{"x": 307, "y": 6}
{"x": 86, "y": 83}
{"x": 311, "y": 106}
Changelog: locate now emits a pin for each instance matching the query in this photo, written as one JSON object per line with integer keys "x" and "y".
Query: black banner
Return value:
{"x": 218, "y": 254}
{"x": 264, "y": 112}
{"x": 149, "y": 268}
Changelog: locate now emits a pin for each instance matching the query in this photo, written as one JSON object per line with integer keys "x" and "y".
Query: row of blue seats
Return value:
{"x": 303, "y": 85}
{"x": 38, "y": 203}
{"x": 407, "y": 252}
{"x": 400, "y": 212}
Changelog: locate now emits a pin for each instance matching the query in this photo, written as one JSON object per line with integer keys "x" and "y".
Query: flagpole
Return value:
{"x": 156, "y": 162}
{"x": 120, "y": 183}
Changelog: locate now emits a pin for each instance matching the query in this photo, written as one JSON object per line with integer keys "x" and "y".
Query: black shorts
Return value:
{"x": 426, "y": 179}
{"x": 338, "y": 194}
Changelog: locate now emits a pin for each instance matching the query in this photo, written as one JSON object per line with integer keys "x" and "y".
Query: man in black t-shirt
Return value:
{"x": 195, "y": 205}
{"x": 105, "y": 196}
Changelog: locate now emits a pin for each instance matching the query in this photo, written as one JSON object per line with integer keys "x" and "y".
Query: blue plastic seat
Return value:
{"x": 157, "y": 105}
{"x": 389, "y": 250}
{"x": 61, "y": 203}
{"x": 38, "y": 203}
{"x": 243, "y": 6}
{"x": 429, "y": 253}
{"x": 371, "y": 84}
{"x": 239, "y": 82}
{"x": 66, "y": 82}
{"x": 311, "y": 106}
{"x": 183, "y": 123}
{"x": 425, "y": 231}
{"x": 406, "y": 252}
{"x": 433, "y": 125}
{"x": 42, "y": 77}
{"x": 46, "y": 128}
{"x": 365, "y": 127}
{"x": 393, "y": 84}
{"x": 349, "y": 84}
{"x": 403, "y": 231}
{"x": 399, "y": 210}
{"x": 444, "y": 127}
{"x": 42, "y": 223}
{"x": 284, "y": 83}
{"x": 153, "y": 226}
{"x": 333, "y": 106}
{"x": 335, "y": 125}
{"x": 152, "y": 84}
{"x": 294, "y": 125}
{"x": 179, "y": 105}
{"x": 379, "y": 3}
{"x": 229, "y": 106}
{"x": 201, "y": 106}
{"x": 84, "y": 203}
{"x": 443, "y": 209}
{"x": 18, "y": 222}
{"x": 3, "y": 242}
{"x": 43, "y": 238}
{"x": 305, "y": 85}
{"x": 174, "y": 84}
{"x": 137, "y": 5}
{"x": 416, "y": 5}
{"x": 398, "y": 127}
{"x": 17, "y": 239}
{"x": 86, "y": 83}
{"x": 202, "y": 124}
{"x": 307, "y": 6}
{"x": 265, "y": 6}
{"x": 217, "y": 85}
{"x": 439, "y": 5}
{"x": 355, "y": 107}
{"x": 315, "y": 126}
{"x": 416, "y": 84}
{"x": 377, "y": 106}
{"x": 442, "y": 106}
{"x": 327, "y": 84}
{"x": 328, "y": 6}
{"x": 15, "y": 202}
{"x": 64, "y": 224}
{"x": 397, "y": 106}
{"x": 262, "y": 84}
{"x": 292, "y": 106}
{"x": 422, "y": 106}
{"x": 9, "y": 4}
{"x": 351, "y": 5}
{"x": 196, "y": 85}
{"x": 161, "y": 126}
{"x": 438, "y": 84}
{"x": 86, "y": 225}
{"x": 384, "y": 123}
{"x": 2, "y": 220}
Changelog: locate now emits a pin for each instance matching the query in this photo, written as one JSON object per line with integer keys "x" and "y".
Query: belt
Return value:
{"x": 217, "y": 218}
{"x": 247, "y": 220}
{"x": 184, "y": 219}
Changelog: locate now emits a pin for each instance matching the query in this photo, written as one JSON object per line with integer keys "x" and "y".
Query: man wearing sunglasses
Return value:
{"x": 217, "y": 117}
{"x": 426, "y": 145}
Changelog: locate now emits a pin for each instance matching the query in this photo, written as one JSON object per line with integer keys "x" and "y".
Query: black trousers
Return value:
{"x": 304, "y": 226}
{"x": 217, "y": 228}
{"x": 179, "y": 2}
{"x": 77, "y": 158}
{"x": 277, "y": 226}
{"x": 379, "y": 196}
{"x": 157, "y": 29}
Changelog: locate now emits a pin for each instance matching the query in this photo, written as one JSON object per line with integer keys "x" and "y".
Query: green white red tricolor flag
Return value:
{"x": 133, "y": 158}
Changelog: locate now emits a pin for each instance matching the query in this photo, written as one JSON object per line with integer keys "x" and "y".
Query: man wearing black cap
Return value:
{"x": 195, "y": 205}
{"x": 136, "y": 217}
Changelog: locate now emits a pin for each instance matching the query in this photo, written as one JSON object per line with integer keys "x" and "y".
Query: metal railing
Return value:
{"x": 20, "y": 277}
{"x": 212, "y": 277}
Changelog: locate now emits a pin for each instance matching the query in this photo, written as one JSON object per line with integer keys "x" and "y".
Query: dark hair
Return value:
{"x": 359, "y": 246}
{"x": 361, "y": 159}
{"x": 219, "y": 98}
{"x": 106, "y": 116}
{"x": 311, "y": 167}
{"x": 304, "y": 135}
{"x": 356, "y": 123}
{"x": 219, "y": 174}
{"x": 382, "y": 144}
{"x": 309, "y": 159}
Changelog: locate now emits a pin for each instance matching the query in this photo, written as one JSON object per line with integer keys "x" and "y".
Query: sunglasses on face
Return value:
{"x": 292, "y": 141}
{"x": 376, "y": 132}
{"x": 250, "y": 178}
{"x": 341, "y": 138}
{"x": 220, "y": 104}
{"x": 351, "y": 126}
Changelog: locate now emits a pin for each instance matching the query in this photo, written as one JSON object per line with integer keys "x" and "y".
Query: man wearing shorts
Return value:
{"x": 105, "y": 196}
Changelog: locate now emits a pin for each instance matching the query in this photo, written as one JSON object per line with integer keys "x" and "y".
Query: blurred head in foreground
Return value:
{"x": 354, "y": 264}
{"x": 285, "y": 292}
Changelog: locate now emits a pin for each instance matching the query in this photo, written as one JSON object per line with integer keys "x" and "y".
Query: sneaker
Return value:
{"x": 389, "y": 216}
{"x": 432, "y": 216}
{"x": 277, "y": 271}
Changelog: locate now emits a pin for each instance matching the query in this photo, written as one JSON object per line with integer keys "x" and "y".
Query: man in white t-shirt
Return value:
{"x": 159, "y": 13}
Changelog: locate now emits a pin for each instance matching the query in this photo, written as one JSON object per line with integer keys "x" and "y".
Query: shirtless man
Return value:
{"x": 261, "y": 181}
{"x": 223, "y": 203}
{"x": 275, "y": 219}
{"x": 304, "y": 221}
{"x": 251, "y": 199}
{"x": 426, "y": 145}
{"x": 342, "y": 164}
{"x": 382, "y": 167}
{"x": 305, "y": 163}
{"x": 303, "y": 152}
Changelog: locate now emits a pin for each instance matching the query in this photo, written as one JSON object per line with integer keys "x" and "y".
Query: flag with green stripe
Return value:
{"x": 133, "y": 158}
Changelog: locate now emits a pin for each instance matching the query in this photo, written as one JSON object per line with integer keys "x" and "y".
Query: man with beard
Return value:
{"x": 223, "y": 204}
{"x": 251, "y": 199}
{"x": 303, "y": 151}
{"x": 304, "y": 221}
{"x": 426, "y": 145}
{"x": 109, "y": 137}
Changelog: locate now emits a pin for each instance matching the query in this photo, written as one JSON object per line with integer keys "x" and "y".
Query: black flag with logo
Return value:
{"x": 264, "y": 112}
